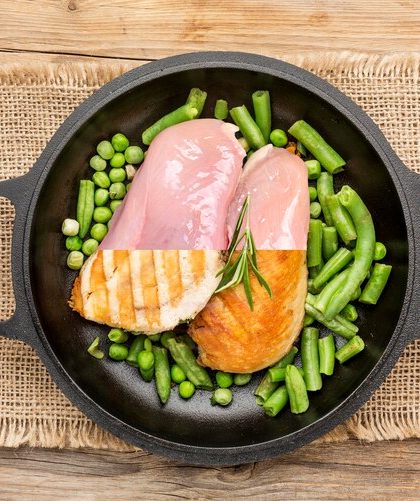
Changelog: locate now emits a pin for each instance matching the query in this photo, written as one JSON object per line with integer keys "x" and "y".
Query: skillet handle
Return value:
{"x": 19, "y": 192}
{"x": 411, "y": 184}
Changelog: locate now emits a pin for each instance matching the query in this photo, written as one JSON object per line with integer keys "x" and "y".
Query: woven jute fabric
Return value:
{"x": 35, "y": 99}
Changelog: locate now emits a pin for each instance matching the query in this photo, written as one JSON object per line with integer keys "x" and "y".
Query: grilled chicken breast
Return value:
{"x": 144, "y": 290}
{"x": 233, "y": 338}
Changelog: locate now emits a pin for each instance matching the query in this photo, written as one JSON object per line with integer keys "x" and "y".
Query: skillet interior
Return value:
{"x": 116, "y": 387}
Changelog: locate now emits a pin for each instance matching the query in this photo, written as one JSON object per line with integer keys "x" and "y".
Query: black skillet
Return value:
{"x": 111, "y": 393}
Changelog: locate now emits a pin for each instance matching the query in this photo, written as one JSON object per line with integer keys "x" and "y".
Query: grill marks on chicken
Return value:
{"x": 144, "y": 290}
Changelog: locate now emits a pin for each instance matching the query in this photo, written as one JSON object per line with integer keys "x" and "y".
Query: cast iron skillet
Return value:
{"x": 111, "y": 393}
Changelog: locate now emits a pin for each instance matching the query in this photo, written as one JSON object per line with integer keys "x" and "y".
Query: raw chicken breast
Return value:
{"x": 279, "y": 205}
{"x": 180, "y": 196}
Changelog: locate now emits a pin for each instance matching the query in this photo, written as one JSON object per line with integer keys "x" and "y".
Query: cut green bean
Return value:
{"x": 278, "y": 138}
{"x": 376, "y": 284}
{"x": 363, "y": 253}
{"x": 313, "y": 194}
{"x": 224, "y": 379}
{"x": 311, "y": 288}
{"x": 355, "y": 296}
{"x": 221, "y": 109}
{"x": 162, "y": 373}
{"x": 242, "y": 379}
{"x": 94, "y": 350}
{"x": 248, "y": 127}
{"x": 182, "y": 114}
{"x": 320, "y": 149}
{"x": 85, "y": 205}
{"x": 117, "y": 336}
{"x": 185, "y": 358}
{"x": 339, "y": 325}
{"x": 341, "y": 219}
{"x": 308, "y": 320}
{"x": 310, "y": 358}
{"x": 277, "y": 401}
{"x": 196, "y": 99}
{"x": 329, "y": 241}
{"x": 315, "y": 270}
{"x": 315, "y": 209}
{"x": 262, "y": 112}
{"x": 314, "y": 252}
{"x": 326, "y": 348}
{"x": 135, "y": 348}
{"x": 380, "y": 251}
{"x": 324, "y": 297}
{"x": 278, "y": 374}
{"x": 349, "y": 312}
{"x": 314, "y": 169}
{"x": 185, "y": 338}
{"x": 148, "y": 344}
{"x": 335, "y": 264}
{"x": 296, "y": 390}
{"x": 165, "y": 337}
{"x": 325, "y": 188}
{"x": 267, "y": 387}
{"x": 350, "y": 349}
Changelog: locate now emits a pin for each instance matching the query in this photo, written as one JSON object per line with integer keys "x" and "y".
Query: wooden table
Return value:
{"x": 60, "y": 30}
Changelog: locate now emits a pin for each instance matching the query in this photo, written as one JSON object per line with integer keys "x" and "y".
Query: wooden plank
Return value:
{"x": 156, "y": 28}
{"x": 348, "y": 470}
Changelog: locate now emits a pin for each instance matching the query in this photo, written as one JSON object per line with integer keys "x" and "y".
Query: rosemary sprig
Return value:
{"x": 234, "y": 273}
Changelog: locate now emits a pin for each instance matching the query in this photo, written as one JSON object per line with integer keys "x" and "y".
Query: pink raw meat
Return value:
{"x": 180, "y": 196}
{"x": 279, "y": 204}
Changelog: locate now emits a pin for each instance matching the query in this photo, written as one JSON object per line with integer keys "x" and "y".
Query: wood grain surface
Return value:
{"x": 379, "y": 471}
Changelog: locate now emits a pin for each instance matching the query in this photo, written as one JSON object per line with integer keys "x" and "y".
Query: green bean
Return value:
{"x": 186, "y": 389}
{"x": 376, "y": 284}
{"x": 314, "y": 252}
{"x": 117, "y": 175}
{"x": 105, "y": 150}
{"x": 330, "y": 289}
{"x": 221, "y": 110}
{"x": 350, "y": 349}
{"x": 310, "y": 358}
{"x": 267, "y": 387}
{"x": 117, "y": 191}
{"x": 74, "y": 243}
{"x": 119, "y": 142}
{"x": 196, "y": 99}
{"x": 244, "y": 143}
{"x": 325, "y": 188}
{"x": 117, "y": 336}
{"x": 224, "y": 379}
{"x": 301, "y": 149}
{"x": 97, "y": 163}
{"x": 101, "y": 179}
{"x": 315, "y": 209}
{"x": 135, "y": 348}
{"x": 363, "y": 253}
{"x": 134, "y": 155}
{"x": 98, "y": 231}
{"x": 85, "y": 205}
{"x": 182, "y": 114}
{"x": 177, "y": 374}
{"x": 221, "y": 396}
{"x": 185, "y": 338}
{"x": 94, "y": 350}
{"x": 242, "y": 379}
{"x": 315, "y": 270}
{"x": 75, "y": 260}
{"x": 162, "y": 373}
{"x": 341, "y": 219}
{"x": 329, "y": 241}
{"x": 89, "y": 246}
{"x": 102, "y": 214}
{"x": 313, "y": 194}
{"x": 380, "y": 251}
{"x": 326, "y": 348}
{"x": 349, "y": 312}
{"x": 248, "y": 127}
{"x": 311, "y": 288}
{"x": 339, "y": 324}
{"x": 262, "y": 112}
{"x": 165, "y": 337}
{"x": 185, "y": 358}
{"x": 101, "y": 197}
{"x": 278, "y": 374}
{"x": 117, "y": 161}
{"x": 278, "y": 138}
{"x": 335, "y": 264}
{"x": 154, "y": 338}
{"x": 356, "y": 295}
{"x": 296, "y": 390}
{"x": 70, "y": 227}
{"x": 314, "y": 169}
{"x": 308, "y": 320}
{"x": 147, "y": 344}
{"x": 146, "y": 363}
{"x": 319, "y": 148}
{"x": 276, "y": 402}
{"x": 118, "y": 352}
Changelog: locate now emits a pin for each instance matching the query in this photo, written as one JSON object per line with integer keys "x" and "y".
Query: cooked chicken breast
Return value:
{"x": 233, "y": 338}
{"x": 144, "y": 290}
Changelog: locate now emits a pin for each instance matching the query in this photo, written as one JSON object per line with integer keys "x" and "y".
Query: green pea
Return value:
{"x": 134, "y": 155}
{"x": 128, "y": 186}
{"x": 101, "y": 197}
{"x": 98, "y": 231}
{"x": 313, "y": 194}
{"x": 118, "y": 352}
{"x": 75, "y": 260}
{"x": 70, "y": 227}
{"x": 73, "y": 243}
{"x": 278, "y": 137}
{"x": 224, "y": 379}
{"x": 145, "y": 360}
{"x": 186, "y": 389}
{"x": 177, "y": 374}
{"x": 118, "y": 160}
{"x": 102, "y": 214}
{"x": 221, "y": 396}
{"x": 89, "y": 246}
{"x": 117, "y": 175}
{"x": 115, "y": 204}
{"x": 105, "y": 150}
{"x": 315, "y": 209}
{"x": 101, "y": 179}
{"x": 97, "y": 163}
{"x": 120, "y": 142}
{"x": 117, "y": 336}
{"x": 117, "y": 191}
{"x": 242, "y": 379}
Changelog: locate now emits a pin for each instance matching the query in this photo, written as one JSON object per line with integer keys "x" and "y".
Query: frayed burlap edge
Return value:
{"x": 64, "y": 434}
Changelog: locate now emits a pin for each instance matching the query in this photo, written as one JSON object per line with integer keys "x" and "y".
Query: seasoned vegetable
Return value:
{"x": 262, "y": 112}
{"x": 221, "y": 396}
{"x": 296, "y": 390}
{"x": 326, "y": 347}
{"x": 376, "y": 284}
{"x": 248, "y": 127}
{"x": 310, "y": 358}
{"x": 85, "y": 205}
{"x": 276, "y": 402}
{"x": 182, "y": 114}
{"x": 221, "y": 110}
{"x": 162, "y": 373}
{"x": 350, "y": 349}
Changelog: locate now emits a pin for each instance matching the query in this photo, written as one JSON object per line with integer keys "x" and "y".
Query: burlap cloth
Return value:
{"x": 34, "y": 101}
